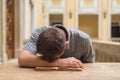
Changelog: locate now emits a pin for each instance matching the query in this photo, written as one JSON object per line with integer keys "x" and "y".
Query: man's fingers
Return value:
{"x": 77, "y": 62}
{"x": 74, "y": 64}
{"x": 80, "y": 64}
{"x": 77, "y": 65}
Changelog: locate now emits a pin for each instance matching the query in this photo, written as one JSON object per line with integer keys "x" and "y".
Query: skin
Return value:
{"x": 27, "y": 59}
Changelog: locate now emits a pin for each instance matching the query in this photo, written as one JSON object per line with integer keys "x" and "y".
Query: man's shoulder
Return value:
{"x": 78, "y": 33}
{"x": 39, "y": 30}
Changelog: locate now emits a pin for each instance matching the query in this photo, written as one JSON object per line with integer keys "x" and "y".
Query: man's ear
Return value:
{"x": 66, "y": 43}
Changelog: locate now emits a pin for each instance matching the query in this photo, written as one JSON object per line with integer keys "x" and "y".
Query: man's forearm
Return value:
{"x": 27, "y": 59}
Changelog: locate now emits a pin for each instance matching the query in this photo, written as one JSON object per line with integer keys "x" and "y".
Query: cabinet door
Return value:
{"x": 10, "y": 28}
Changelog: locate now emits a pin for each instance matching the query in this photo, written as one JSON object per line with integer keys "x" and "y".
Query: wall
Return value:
{"x": 32, "y": 14}
{"x": 56, "y": 2}
{"x": 89, "y": 24}
{"x": 3, "y": 31}
{"x": 106, "y": 51}
{"x": 18, "y": 33}
{"x": 70, "y": 14}
{"x": 0, "y": 31}
{"x": 26, "y": 20}
{"x": 38, "y": 13}
{"x": 105, "y": 21}
{"x": 118, "y": 2}
{"x": 89, "y": 2}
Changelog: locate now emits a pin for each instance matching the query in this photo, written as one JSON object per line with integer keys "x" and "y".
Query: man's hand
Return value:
{"x": 69, "y": 62}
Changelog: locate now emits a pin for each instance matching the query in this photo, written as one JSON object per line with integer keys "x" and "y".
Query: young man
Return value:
{"x": 57, "y": 46}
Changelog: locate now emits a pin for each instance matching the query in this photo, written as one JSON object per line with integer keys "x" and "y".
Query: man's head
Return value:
{"x": 51, "y": 44}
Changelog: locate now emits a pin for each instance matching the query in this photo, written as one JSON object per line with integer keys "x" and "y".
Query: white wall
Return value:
{"x": 3, "y": 31}
{"x": 0, "y": 31}
{"x": 26, "y": 20}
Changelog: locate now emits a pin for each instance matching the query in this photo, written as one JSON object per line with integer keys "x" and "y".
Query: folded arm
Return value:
{"x": 27, "y": 59}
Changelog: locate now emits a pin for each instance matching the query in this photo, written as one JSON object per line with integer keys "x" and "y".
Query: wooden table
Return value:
{"x": 92, "y": 71}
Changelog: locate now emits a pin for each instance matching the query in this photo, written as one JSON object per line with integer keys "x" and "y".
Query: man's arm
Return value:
{"x": 27, "y": 59}
{"x": 89, "y": 56}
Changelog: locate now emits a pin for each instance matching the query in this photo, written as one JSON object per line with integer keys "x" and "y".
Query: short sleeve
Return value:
{"x": 88, "y": 56}
{"x": 31, "y": 44}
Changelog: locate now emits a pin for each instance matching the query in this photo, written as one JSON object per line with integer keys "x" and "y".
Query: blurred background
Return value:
{"x": 98, "y": 18}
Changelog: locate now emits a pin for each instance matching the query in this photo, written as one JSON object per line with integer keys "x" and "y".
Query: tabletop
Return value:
{"x": 91, "y": 71}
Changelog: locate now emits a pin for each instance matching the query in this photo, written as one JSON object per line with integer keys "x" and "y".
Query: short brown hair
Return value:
{"x": 50, "y": 43}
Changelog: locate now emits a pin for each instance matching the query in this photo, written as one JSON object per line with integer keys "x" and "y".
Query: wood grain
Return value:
{"x": 46, "y": 68}
{"x": 57, "y": 69}
{"x": 91, "y": 71}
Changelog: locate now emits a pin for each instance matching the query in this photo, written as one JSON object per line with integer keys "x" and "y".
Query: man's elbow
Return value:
{"x": 21, "y": 60}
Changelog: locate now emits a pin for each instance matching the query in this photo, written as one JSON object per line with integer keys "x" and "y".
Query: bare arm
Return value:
{"x": 27, "y": 59}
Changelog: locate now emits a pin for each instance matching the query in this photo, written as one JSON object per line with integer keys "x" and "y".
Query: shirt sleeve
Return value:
{"x": 31, "y": 44}
{"x": 88, "y": 56}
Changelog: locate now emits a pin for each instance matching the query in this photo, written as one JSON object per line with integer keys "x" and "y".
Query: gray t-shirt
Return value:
{"x": 79, "y": 46}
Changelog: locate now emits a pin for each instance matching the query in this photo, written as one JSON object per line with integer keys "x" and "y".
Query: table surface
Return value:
{"x": 92, "y": 71}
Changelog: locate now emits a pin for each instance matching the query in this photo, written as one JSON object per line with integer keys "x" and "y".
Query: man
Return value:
{"x": 57, "y": 46}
